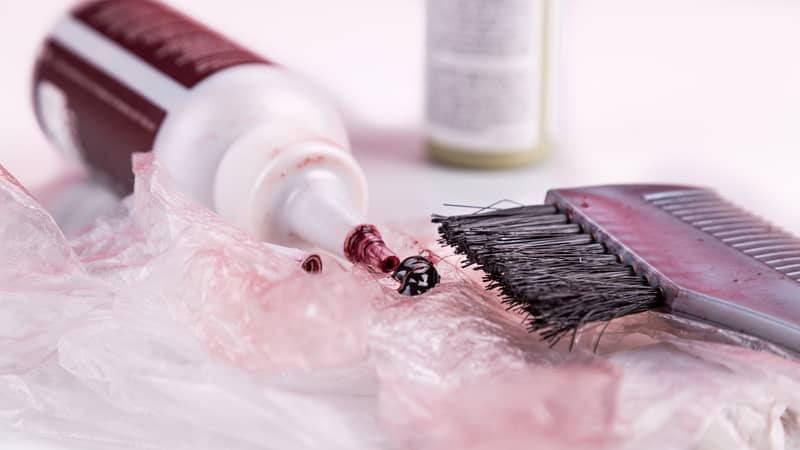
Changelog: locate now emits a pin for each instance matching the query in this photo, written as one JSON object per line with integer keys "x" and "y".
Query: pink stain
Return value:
{"x": 310, "y": 160}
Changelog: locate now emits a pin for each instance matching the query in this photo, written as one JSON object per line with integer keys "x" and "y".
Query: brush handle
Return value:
{"x": 712, "y": 260}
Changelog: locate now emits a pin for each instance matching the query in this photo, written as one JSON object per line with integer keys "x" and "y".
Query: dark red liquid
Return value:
{"x": 312, "y": 264}
{"x": 364, "y": 245}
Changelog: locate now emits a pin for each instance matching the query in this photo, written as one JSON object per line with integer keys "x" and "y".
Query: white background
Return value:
{"x": 695, "y": 91}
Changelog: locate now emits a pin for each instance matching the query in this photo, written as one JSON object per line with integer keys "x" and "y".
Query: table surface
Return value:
{"x": 701, "y": 92}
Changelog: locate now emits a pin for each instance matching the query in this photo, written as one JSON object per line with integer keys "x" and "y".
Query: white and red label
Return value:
{"x": 112, "y": 70}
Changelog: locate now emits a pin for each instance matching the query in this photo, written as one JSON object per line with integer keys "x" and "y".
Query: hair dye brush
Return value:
{"x": 599, "y": 253}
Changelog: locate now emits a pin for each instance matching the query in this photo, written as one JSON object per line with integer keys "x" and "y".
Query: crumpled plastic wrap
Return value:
{"x": 163, "y": 327}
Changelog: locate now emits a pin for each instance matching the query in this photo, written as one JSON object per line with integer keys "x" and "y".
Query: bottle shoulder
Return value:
{"x": 196, "y": 135}
{"x": 253, "y": 187}
{"x": 245, "y": 80}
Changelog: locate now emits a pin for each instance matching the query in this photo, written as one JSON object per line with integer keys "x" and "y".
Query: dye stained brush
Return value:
{"x": 598, "y": 253}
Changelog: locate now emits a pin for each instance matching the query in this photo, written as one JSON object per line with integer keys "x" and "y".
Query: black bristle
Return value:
{"x": 547, "y": 269}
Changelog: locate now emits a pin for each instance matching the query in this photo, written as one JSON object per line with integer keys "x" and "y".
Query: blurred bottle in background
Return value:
{"x": 488, "y": 81}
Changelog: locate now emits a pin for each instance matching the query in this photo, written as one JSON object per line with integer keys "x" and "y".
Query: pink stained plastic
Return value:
{"x": 224, "y": 285}
{"x": 33, "y": 249}
{"x": 467, "y": 372}
{"x": 165, "y": 328}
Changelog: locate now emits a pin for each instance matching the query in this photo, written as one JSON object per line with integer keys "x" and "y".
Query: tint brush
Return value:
{"x": 598, "y": 253}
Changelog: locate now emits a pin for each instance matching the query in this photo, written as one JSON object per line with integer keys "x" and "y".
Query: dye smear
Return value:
{"x": 204, "y": 315}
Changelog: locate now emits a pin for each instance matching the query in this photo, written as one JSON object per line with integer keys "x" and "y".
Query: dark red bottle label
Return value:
{"x": 110, "y": 73}
{"x": 183, "y": 49}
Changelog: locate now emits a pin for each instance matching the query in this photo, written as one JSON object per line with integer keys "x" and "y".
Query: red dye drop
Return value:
{"x": 364, "y": 245}
{"x": 312, "y": 264}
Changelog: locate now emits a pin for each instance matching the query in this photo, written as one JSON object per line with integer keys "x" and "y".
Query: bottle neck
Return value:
{"x": 320, "y": 214}
{"x": 303, "y": 192}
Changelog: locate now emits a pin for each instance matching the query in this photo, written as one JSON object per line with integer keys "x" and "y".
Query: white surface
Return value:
{"x": 12, "y": 440}
{"x": 695, "y": 91}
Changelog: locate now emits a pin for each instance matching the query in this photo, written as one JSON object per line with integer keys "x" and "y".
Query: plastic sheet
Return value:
{"x": 164, "y": 328}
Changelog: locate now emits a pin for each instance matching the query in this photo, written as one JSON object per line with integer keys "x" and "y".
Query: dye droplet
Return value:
{"x": 417, "y": 275}
{"x": 364, "y": 245}
{"x": 312, "y": 264}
